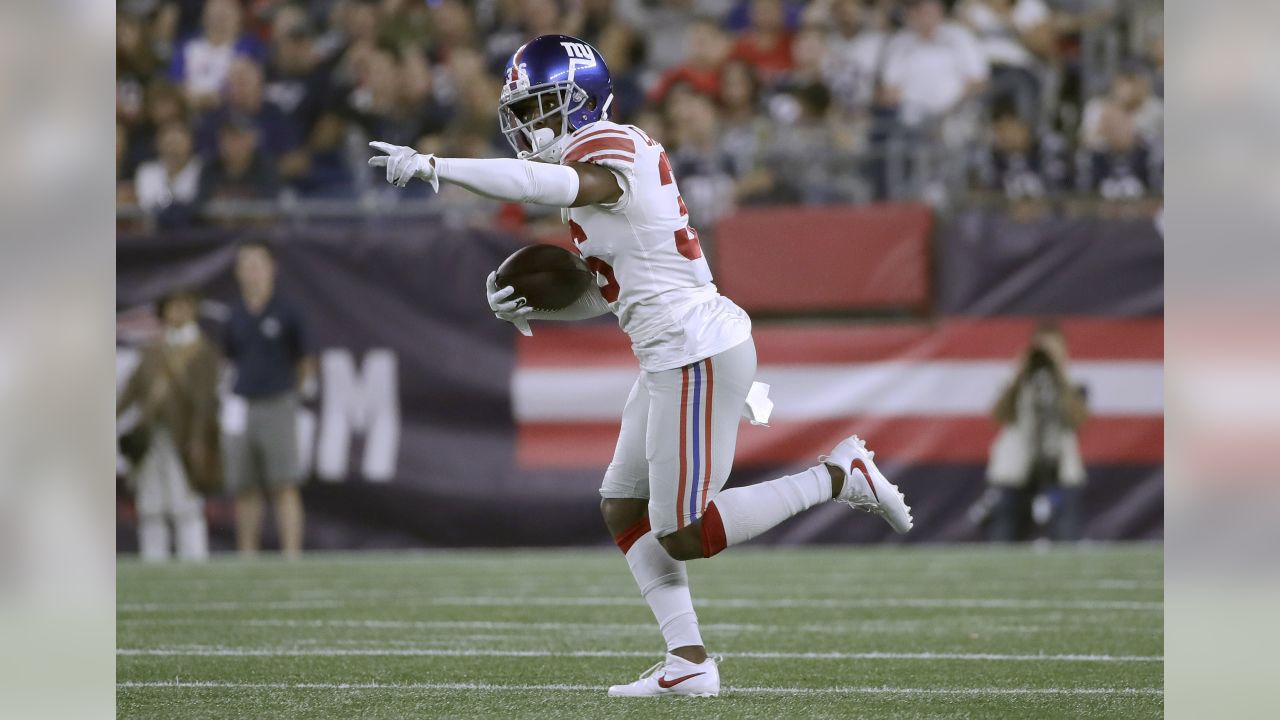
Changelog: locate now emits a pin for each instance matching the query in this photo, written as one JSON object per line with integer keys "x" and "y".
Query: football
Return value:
{"x": 547, "y": 276}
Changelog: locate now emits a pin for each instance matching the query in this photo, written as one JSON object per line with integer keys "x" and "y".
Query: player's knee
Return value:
{"x": 621, "y": 514}
{"x": 683, "y": 544}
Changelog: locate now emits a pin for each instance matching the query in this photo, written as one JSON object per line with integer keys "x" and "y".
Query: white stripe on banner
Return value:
{"x": 813, "y": 392}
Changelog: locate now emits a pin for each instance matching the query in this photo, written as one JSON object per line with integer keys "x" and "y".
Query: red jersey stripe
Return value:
{"x": 607, "y": 156}
{"x": 622, "y": 144}
{"x": 618, "y": 132}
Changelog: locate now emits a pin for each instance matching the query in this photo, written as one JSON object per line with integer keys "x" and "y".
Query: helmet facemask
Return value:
{"x": 536, "y": 120}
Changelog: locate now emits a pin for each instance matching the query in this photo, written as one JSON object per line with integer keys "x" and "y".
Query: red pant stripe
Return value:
{"x": 684, "y": 444}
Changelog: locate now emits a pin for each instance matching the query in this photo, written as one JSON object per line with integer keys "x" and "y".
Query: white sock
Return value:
{"x": 192, "y": 536}
{"x": 665, "y": 586}
{"x": 153, "y": 537}
{"x": 747, "y": 512}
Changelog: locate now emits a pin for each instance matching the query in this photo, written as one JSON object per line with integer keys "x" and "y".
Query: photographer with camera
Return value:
{"x": 1036, "y": 454}
{"x": 174, "y": 448}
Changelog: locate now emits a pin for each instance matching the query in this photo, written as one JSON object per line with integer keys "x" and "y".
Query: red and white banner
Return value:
{"x": 919, "y": 393}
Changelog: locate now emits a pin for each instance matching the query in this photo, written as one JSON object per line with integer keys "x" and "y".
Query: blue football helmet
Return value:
{"x": 554, "y": 84}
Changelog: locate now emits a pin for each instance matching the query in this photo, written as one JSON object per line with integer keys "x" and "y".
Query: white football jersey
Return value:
{"x": 646, "y": 257}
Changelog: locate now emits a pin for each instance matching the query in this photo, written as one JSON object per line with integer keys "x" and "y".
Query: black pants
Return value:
{"x": 1011, "y": 519}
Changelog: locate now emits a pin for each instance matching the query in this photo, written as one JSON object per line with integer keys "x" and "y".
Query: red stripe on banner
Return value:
{"x": 989, "y": 339}
{"x": 684, "y": 403}
{"x": 915, "y": 439}
{"x": 706, "y": 472}
{"x": 621, "y": 144}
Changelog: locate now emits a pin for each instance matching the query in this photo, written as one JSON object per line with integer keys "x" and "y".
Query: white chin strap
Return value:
{"x": 545, "y": 147}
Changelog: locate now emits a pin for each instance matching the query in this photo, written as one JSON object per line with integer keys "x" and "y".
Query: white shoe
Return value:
{"x": 865, "y": 487}
{"x": 674, "y": 676}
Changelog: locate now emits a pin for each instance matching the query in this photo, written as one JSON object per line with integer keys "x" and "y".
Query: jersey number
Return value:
{"x": 609, "y": 291}
{"x": 686, "y": 237}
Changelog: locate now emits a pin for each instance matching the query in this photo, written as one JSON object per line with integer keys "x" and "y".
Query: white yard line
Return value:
{"x": 589, "y": 628}
{"x": 229, "y": 605}
{"x": 999, "y": 603}
{"x": 487, "y": 687}
{"x": 490, "y": 600}
{"x": 217, "y": 651}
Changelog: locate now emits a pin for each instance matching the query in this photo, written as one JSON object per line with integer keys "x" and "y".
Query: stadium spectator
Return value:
{"x": 379, "y": 105}
{"x": 766, "y": 43}
{"x": 135, "y": 65}
{"x": 239, "y": 171}
{"x": 295, "y": 82}
{"x": 353, "y": 38}
{"x": 268, "y": 344}
{"x": 626, "y": 51}
{"x": 451, "y": 27}
{"x": 811, "y": 153}
{"x": 1130, "y": 95}
{"x": 856, "y": 45}
{"x": 471, "y": 105}
{"x": 705, "y": 51}
{"x": 201, "y": 64}
{"x": 175, "y": 443}
{"x": 1015, "y": 36}
{"x": 1036, "y": 452}
{"x": 932, "y": 65}
{"x": 1021, "y": 164}
{"x": 168, "y": 187}
{"x": 745, "y": 133}
{"x": 280, "y": 136}
{"x": 666, "y": 26}
{"x": 1123, "y": 166}
{"x": 808, "y": 59}
{"x": 740, "y": 15}
{"x": 164, "y": 104}
{"x": 124, "y": 181}
{"x": 704, "y": 171}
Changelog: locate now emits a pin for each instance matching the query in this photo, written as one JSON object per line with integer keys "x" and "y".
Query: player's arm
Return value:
{"x": 506, "y": 179}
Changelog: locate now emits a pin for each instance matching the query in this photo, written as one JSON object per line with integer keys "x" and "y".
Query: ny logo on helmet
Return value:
{"x": 580, "y": 56}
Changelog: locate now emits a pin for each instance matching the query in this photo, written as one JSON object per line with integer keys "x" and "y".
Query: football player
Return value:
{"x": 661, "y": 494}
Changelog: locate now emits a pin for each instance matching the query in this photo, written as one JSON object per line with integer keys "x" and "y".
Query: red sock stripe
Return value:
{"x": 628, "y": 537}
{"x": 713, "y": 540}
{"x": 706, "y": 458}
{"x": 684, "y": 446}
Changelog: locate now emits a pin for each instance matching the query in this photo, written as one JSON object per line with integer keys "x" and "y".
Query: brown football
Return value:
{"x": 547, "y": 276}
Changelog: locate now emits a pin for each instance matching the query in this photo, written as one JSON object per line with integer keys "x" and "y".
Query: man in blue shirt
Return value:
{"x": 266, "y": 340}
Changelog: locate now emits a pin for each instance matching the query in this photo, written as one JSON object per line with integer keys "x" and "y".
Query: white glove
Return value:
{"x": 513, "y": 310}
{"x": 404, "y": 163}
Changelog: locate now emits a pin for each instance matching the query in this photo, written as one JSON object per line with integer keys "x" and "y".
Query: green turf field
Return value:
{"x": 943, "y": 632}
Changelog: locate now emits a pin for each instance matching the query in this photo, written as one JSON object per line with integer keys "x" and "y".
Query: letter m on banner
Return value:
{"x": 365, "y": 401}
{"x": 580, "y": 56}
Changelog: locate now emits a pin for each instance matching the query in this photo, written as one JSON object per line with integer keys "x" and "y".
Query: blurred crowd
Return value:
{"x": 757, "y": 101}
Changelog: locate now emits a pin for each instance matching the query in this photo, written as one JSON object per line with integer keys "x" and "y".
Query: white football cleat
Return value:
{"x": 674, "y": 676}
{"x": 865, "y": 487}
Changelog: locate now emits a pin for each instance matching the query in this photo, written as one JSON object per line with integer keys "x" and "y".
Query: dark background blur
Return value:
{"x": 896, "y": 215}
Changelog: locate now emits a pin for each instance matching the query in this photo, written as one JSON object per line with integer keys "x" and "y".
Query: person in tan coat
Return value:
{"x": 176, "y": 442}
{"x": 1036, "y": 451}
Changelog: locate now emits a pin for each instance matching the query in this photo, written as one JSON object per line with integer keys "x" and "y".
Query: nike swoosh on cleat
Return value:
{"x": 857, "y": 463}
{"x": 666, "y": 684}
